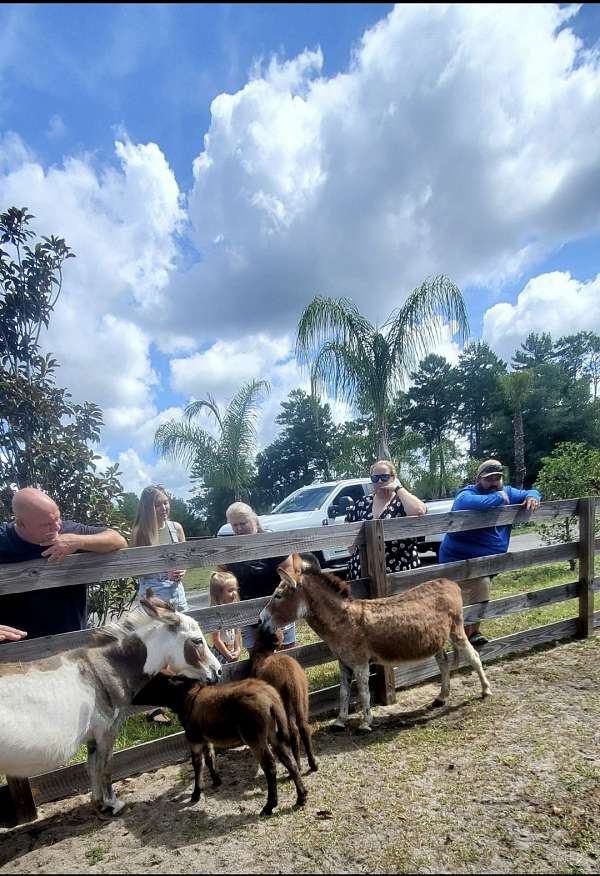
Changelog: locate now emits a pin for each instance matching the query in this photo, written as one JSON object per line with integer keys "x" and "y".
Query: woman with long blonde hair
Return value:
{"x": 152, "y": 526}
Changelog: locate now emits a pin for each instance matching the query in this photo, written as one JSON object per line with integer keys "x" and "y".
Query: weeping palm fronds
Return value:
{"x": 224, "y": 462}
{"x": 364, "y": 365}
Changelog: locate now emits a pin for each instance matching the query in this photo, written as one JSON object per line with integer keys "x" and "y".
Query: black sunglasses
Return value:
{"x": 380, "y": 477}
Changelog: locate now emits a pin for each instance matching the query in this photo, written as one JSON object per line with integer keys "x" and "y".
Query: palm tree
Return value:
{"x": 363, "y": 364}
{"x": 516, "y": 387}
{"x": 224, "y": 463}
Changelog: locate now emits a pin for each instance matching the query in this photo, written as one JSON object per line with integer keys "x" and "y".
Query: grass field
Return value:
{"x": 197, "y": 580}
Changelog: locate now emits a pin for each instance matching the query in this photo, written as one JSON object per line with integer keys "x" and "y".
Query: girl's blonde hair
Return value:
{"x": 145, "y": 527}
{"x": 244, "y": 510}
{"x": 218, "y": 582}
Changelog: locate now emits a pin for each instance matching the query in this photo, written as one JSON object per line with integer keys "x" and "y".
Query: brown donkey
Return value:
{"x": 396, "y": 629}
{"x": 248, "y": 712}
{"x": 289, "y": 679}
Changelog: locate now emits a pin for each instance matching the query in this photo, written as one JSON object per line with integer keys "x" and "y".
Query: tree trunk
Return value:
{"x": 519, "y": 448}
{"x": 382, "y": 449}
{"x": 443, "y": 476}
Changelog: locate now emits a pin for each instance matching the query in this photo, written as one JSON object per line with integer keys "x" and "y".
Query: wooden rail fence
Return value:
{"x": 19, "y": 797}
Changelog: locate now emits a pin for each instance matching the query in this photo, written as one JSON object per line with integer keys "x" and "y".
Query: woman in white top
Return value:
{"x": 152, "y": 526}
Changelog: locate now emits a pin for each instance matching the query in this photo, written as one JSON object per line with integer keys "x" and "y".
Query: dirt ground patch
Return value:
{"x": 505, "y": 785}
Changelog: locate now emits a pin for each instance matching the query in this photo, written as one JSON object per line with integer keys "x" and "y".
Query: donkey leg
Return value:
{"x": 466, "y": 650}
{"x": 284, "y": 754}
{"x": 362, "y": 681}
{"x": 198, "y": 763}
{"x": 295, "y": 740}
{"x": 308, "y": 746}
{"x": 442, "y": 661}
{"x": 209, "y": 757}
{"x": 93, "y": 772}
{"x": 345, "y": 681}
{"x": 264, "y": 756}
{"x": 100, "y": 750}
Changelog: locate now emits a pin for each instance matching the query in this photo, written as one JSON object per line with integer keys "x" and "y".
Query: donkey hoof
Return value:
{"x": 266, "y": 811}
{"x": 110, "y": 810}
{"x": 337, "y": 728}
{"x": 486, "y": 693}
{"x": 364, "y": 728}
{"x": 437, "y": 703}
{"x": 195, "y": 797}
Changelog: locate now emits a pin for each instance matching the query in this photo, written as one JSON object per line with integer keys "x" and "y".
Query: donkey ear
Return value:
{"x": 159, "y": 610}
{"x": 286, "y": 578}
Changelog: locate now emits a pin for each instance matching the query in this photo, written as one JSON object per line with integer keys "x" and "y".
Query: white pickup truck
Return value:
{"x": 325, "y": 504}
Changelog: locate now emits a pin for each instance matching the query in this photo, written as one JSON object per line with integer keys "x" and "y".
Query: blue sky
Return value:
{"x": 215, "y": 166}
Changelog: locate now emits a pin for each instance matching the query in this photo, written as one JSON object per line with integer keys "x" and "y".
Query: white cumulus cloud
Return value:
{"x": 121, "y": 223}
{"x": 438, "y": 151}
{"x": 555, "y": 302}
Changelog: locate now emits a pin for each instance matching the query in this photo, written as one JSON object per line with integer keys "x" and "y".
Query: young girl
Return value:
{"x": 227, "y": 644}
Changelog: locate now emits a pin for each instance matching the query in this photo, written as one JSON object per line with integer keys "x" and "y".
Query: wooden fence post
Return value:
{"x": 384, "y": 687}
{"x": 23, "y": 804}
{"x": 586, "y": 509}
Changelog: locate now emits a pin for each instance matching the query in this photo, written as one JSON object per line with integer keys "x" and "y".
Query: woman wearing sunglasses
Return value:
{"x": 389, "y": 499}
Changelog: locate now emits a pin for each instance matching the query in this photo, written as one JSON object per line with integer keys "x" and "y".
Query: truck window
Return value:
{"x": 306, "y": 500}
{"x": 355, "y": 491}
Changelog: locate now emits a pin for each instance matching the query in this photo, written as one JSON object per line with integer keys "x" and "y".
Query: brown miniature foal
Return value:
{"x": 248, "y": 712}
{"x": 289, "y": 679}
{"x": 395, "y": 630}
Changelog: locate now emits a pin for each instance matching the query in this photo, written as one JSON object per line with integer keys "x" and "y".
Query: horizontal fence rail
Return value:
{"x": 89, "y": 568}
{"x": 92, "y": 568}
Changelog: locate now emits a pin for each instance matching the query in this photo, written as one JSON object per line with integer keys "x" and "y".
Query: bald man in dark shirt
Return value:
{"x": 37, "y": 532}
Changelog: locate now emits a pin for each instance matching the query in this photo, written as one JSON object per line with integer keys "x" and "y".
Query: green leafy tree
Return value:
{"x": 537, "y": 350}
{"x": 516, "y": 387}
{"x": 579, "y": 355}
{"x": 129, "y": 507}
{"x": 556, "y": 406}
{"x": 428, "y": 482}
{"x": 570, "y": 471}
{"x": 364, "y": 365}
{"x": 193, "y": 525}
{"x": 45, "y": 439}
{"x": 223, "y": 466}
{"x": 299, "y": 455}
{"x": 432, "y": 414}
{"x": 479, "y": 396}
{"x": 352, "y": 448}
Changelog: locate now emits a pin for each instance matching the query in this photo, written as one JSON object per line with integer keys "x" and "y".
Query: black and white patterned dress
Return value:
{"x": 399, "y": 555}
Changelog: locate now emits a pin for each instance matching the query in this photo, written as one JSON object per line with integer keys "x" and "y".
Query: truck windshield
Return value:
{"x": 307, "y": 500}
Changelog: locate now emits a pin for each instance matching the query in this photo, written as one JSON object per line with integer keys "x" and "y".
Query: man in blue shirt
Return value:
{"x": 487, "y": 492}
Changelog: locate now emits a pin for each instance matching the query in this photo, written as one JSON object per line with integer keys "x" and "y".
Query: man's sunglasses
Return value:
{"x": 380, "y": 477}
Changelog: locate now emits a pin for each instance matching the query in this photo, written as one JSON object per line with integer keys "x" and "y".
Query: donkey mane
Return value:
{"x": 342, "y": 588}
{"x": 128, "y": 625}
